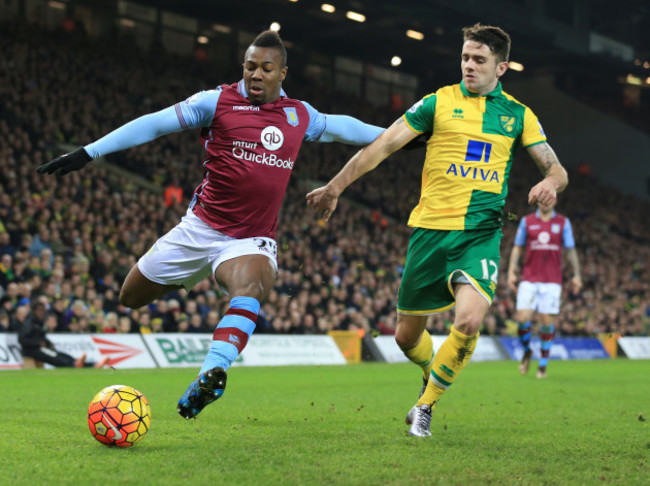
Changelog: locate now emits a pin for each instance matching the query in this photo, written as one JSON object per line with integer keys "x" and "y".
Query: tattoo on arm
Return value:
{"x": 544, "y": 157}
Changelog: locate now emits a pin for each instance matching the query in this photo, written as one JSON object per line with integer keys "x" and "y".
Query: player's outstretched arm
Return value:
{"x": 347, "y": 129}
{"x": 325, "y": 199}
{"x": 136, "y": 132}
{"x": 555, "y": 176}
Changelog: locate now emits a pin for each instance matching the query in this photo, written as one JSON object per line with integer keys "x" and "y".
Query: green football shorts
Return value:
{"x": 437, "y": 259}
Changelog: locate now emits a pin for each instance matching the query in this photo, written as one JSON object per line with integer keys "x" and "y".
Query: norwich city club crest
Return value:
{"x": 507, "y": 122}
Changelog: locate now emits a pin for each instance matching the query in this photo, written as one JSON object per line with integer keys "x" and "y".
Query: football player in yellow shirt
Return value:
{"x": 453, "y": 255}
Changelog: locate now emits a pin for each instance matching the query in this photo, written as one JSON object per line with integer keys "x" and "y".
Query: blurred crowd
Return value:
{"x": 69, "y": 242}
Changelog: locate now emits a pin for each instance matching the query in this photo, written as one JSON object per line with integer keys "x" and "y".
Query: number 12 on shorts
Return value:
{"x": 487, "y": 266}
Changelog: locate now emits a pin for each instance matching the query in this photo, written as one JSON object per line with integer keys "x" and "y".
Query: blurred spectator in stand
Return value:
{"x": 173, "y": 193}
{"x": 170, "y": 324}
{"x": 5, "y": 323}
{"x": 20, "y": 316}
{"x": 196, "y": 324}
{"x": 5, "y": 244}
{"x": 124, "y": 325}
{"x": 212, "y": 321}
{"x": 144, "y": 321}
{"x": 40, "y": 242}
{"x": 111, "y": 323}
{"x": 6, "y": 270}
{"x": 183, "y": 323}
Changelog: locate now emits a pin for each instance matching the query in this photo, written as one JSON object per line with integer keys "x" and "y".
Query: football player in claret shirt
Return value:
{"x": 453, "y": 254}
{"x": 252, "y": 133}
{"x": 541, "y": 235}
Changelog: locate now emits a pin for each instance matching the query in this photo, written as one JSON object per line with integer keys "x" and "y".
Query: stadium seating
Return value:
{"x": 72, "y": 241}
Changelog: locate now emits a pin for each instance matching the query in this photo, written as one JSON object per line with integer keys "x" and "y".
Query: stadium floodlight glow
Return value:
{"x": 326, "y": 7}
{"x": 275, "y": 26}
{"x": 632, "y": 79}
{"x": 396, "y": 61}
{"x": 516, "y": 66}
{"x": 202, "y": 39}
{"x": 414, "y": 34}
{"x": 56, "y": 5}
{"x": 223, "y": 29}
{"x": 356, "y": 16}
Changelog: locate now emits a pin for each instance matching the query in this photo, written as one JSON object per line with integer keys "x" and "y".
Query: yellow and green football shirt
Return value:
{"x": 469, "y": 155}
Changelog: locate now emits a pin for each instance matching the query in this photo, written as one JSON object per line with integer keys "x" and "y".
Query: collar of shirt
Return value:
{"x": 241, "y": 89}
{"x": 538, "y": 214}
{"x": 495, "y": 92}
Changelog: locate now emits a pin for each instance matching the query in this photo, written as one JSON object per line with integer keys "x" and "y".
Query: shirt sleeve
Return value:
{"x": 568, "y": 241}
{"x": 317, "y": 123}
{"x": 533, "y": 131}
{"x": 198, "y": 110}
{"x": 419, "y": 117}
{"x": 192, "y": 113}
{"x": 339, "y": 128}
{"x": 520, "y": 237}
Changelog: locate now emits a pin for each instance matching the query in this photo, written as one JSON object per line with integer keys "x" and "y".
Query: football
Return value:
{"x": 119, "y": 415}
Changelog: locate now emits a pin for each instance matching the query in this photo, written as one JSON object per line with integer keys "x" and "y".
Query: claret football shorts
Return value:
{"x": 436, "y": 260}
{"x": 193, "y": 250}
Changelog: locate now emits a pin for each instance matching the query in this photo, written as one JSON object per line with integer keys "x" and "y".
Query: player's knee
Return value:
{"x": 406, "y": 339}
{"x": 468, "y": 324}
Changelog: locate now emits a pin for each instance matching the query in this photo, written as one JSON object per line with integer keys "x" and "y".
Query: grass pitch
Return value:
{"x": 586, "y": 424}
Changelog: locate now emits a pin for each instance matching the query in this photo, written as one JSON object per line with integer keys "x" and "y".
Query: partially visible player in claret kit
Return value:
{"x": 541, "y": 236}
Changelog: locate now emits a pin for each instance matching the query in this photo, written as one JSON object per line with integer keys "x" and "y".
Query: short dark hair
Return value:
{"x": 494, "y": 37}
{"x": 270, "y": 38}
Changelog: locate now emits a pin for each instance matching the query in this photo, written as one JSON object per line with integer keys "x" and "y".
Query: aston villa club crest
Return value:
{"x": 292, "y": 116}
{"x": 507, "y": 123}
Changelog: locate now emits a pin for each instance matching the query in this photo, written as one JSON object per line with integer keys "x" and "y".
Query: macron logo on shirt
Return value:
{"x": 246, "y": 108}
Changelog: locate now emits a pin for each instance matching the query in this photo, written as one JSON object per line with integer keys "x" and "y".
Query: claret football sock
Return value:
{"x": 422, "y": 353}
{"x": 448, "y": 362}
{"x": 524, "y": 335}
{"x": 232, "y": 334}
{"x": 546, "y": 335}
